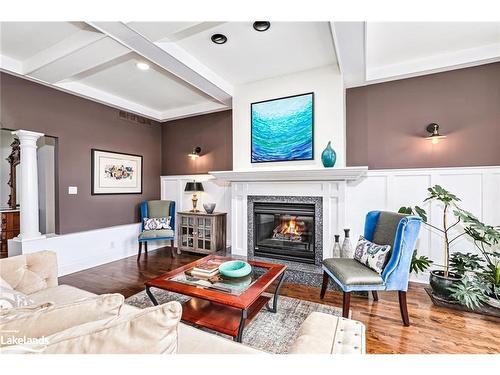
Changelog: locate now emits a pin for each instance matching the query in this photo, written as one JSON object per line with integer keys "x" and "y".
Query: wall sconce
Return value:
{"x": 434, "y": 136}
{"x": 195, "y": 154}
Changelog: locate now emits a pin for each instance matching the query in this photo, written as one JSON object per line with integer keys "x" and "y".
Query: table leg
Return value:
{"x": 151, "y": 297}
{"x": 274, "y": 309}
{"x": 244, "y": 316}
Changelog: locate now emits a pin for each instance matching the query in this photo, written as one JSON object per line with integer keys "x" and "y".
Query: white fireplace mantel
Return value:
{"x": 295, "y": 174}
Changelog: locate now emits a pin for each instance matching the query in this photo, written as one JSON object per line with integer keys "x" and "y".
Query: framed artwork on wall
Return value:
{"x": 283, "y": 129}
{"x": 115, "y": 173}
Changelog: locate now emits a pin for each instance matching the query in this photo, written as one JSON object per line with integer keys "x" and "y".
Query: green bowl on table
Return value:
{"x": 235, "y": 268}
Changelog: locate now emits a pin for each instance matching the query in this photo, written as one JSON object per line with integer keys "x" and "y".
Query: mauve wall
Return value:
{"x": 80, "y": 125}
{"x": 386, "y": 122}
{"x": 212, "y": 132}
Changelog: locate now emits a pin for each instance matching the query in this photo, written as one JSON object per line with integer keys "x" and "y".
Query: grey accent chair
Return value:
{"x": 157, "y": 208}
{"x": 383, "y": 228}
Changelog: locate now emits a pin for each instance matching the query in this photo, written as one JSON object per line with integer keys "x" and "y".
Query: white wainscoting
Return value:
{"x": 215, "y": 191}
{"x": 82, "y": 250}
{"x": 478, "y": 187}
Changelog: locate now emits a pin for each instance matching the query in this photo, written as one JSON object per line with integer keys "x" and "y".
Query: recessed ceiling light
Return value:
{"x": 142, "y": 66}
{"x": 261, "y": 25}
{"x": 219, "y": 39}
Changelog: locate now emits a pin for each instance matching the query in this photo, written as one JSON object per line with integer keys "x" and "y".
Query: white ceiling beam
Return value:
{"x": 64, "y": 48}
{"x": 81, "y": 60}
{"x": 192, "y": 110}
{"x": 350, "y": 47}
{"x": 11, "y": 65}
{"x": 149, "y": 50}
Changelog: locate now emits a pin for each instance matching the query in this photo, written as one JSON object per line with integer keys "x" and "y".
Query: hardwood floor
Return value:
{"x": 433, "y": 329}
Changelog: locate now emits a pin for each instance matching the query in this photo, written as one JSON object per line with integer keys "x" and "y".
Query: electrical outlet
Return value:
{"x": 72, "y": 190}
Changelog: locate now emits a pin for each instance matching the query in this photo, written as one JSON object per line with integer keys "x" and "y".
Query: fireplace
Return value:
{"x": 284, "y": 230}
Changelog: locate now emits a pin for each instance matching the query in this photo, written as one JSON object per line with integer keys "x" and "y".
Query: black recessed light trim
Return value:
{"x": 261, "y": 25}
{"x": 219, "y": 38}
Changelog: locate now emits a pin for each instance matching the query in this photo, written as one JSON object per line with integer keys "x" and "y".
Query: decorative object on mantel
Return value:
{"x": 194, "y": 187}
{"x": 328, "y": 156}
{"x": 209, "y": 207}
{"x": 471, "y": 279}
{"x": 115, "y": 173}
{"x": 195, "y": 154}
{"x": 282, "y": 129}
{"x": 347, "y": 251}
{"x": 336, "y": 247}
{"x": 434, "y": 136}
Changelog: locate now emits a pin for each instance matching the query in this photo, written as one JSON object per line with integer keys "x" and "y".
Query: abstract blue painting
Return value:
{"x": 282, "y": 129}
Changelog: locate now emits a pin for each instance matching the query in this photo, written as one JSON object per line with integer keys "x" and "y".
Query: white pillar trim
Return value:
{"x": 29, "y": 219}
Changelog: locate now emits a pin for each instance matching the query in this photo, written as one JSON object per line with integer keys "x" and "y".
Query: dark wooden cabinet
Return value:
{"x": 200, "y": 232}
{"x": 9, "y": 228}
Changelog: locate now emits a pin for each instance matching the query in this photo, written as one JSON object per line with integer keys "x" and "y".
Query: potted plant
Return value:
{"x": 481, "y": 273}
{"x": 441, "y": 280}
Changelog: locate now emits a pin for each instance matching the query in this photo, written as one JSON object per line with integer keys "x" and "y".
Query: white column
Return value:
{"x": 29, "y": 219}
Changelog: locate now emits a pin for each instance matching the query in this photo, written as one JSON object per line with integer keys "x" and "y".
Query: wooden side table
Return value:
{"x": 9, "y": 228}
{"x": 200, "y": 232}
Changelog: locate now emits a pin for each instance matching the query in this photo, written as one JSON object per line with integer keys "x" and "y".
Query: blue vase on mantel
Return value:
{"x": 328, "y": 156}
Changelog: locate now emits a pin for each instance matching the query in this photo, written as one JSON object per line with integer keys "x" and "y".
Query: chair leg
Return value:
{"x": 139, "y": 252}
{"x": 375, "y": 295}
{"x": 146, "y": 248}
{"x": 403, "y": 308}
{"x": 172, "y": 251}
{"x": 324, "y": 285}
{"x": 346, "y": 303}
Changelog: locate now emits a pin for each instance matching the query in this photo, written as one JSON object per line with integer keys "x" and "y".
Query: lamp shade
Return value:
{"x": 194, "y": 186}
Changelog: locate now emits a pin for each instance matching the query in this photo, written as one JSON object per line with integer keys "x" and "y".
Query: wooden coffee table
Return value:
{"x": 219, "y": 310}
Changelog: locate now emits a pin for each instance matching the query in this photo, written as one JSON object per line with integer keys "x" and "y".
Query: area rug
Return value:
{"x": 273, "y": 333}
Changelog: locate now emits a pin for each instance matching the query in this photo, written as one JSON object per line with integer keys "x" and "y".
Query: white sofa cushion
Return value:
{"x": 149, "y": 331}
{"x": 47, "y": 319}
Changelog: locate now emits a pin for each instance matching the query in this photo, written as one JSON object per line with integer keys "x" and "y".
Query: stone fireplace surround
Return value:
{"x": 318, "y": 220}
{"x": 326, "y": 188}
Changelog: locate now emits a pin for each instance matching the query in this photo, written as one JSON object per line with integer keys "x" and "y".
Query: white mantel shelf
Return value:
{"x": 316, "y": 174}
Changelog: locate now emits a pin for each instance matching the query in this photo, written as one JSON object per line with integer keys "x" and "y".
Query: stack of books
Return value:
{"x": 206, "y": 270}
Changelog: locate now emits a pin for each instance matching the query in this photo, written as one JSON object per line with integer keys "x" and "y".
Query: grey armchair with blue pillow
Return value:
{"x": 157, "y": 224}
{"x": 378, "y": 266}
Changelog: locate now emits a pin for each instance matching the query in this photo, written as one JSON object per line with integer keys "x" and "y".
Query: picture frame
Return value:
{"x": 272, "y": 123}
{"x": 115, "y": 173}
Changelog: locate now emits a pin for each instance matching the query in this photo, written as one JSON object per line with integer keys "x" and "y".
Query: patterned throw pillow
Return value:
{"x": 156, "y": 223}
{"x": 371, "y": 255}
{"x": 10, "y": 298}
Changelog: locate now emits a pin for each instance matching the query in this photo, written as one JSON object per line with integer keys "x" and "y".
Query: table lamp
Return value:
{"x": 194, "y": 187}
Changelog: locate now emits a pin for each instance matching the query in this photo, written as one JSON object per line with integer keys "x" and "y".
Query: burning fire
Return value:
{"x": 290, "y": 230}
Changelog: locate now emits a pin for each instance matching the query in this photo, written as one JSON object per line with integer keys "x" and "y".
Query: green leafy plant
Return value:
{"x": 469, "y": 293}
{"x": 481, "y": 271}
{"x": 419, "y": 263}
{"x": 449, "y": 200}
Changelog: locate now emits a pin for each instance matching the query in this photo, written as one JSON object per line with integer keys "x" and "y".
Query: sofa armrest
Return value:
{"x": 30, "y": 273}
{"x": 327, "y": 334}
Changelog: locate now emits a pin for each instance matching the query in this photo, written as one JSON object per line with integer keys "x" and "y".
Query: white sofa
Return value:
{"x": 36, "y": 276}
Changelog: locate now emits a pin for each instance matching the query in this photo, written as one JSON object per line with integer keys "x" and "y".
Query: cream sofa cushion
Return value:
{"x": 10, "y": 299}
{"x": 152, "y": 331}
{"x": 4, "y": 284}
{"x": 30, "y": 273}
{"x": 46, "y": 319}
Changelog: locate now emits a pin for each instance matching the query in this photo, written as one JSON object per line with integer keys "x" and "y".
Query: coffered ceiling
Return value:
{"x": 188, "y": 74}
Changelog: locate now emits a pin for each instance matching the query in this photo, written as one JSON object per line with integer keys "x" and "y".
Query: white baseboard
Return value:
{"x": 83, "y": 250}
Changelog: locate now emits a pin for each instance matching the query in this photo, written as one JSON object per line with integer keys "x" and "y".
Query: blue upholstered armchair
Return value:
{"x": 157, "y": 209}
{"x": 383, "y": 228}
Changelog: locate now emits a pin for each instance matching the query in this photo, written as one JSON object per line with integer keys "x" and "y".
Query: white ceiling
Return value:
{"x": 189, "y": 74}
{"x": 372, "y": 52}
